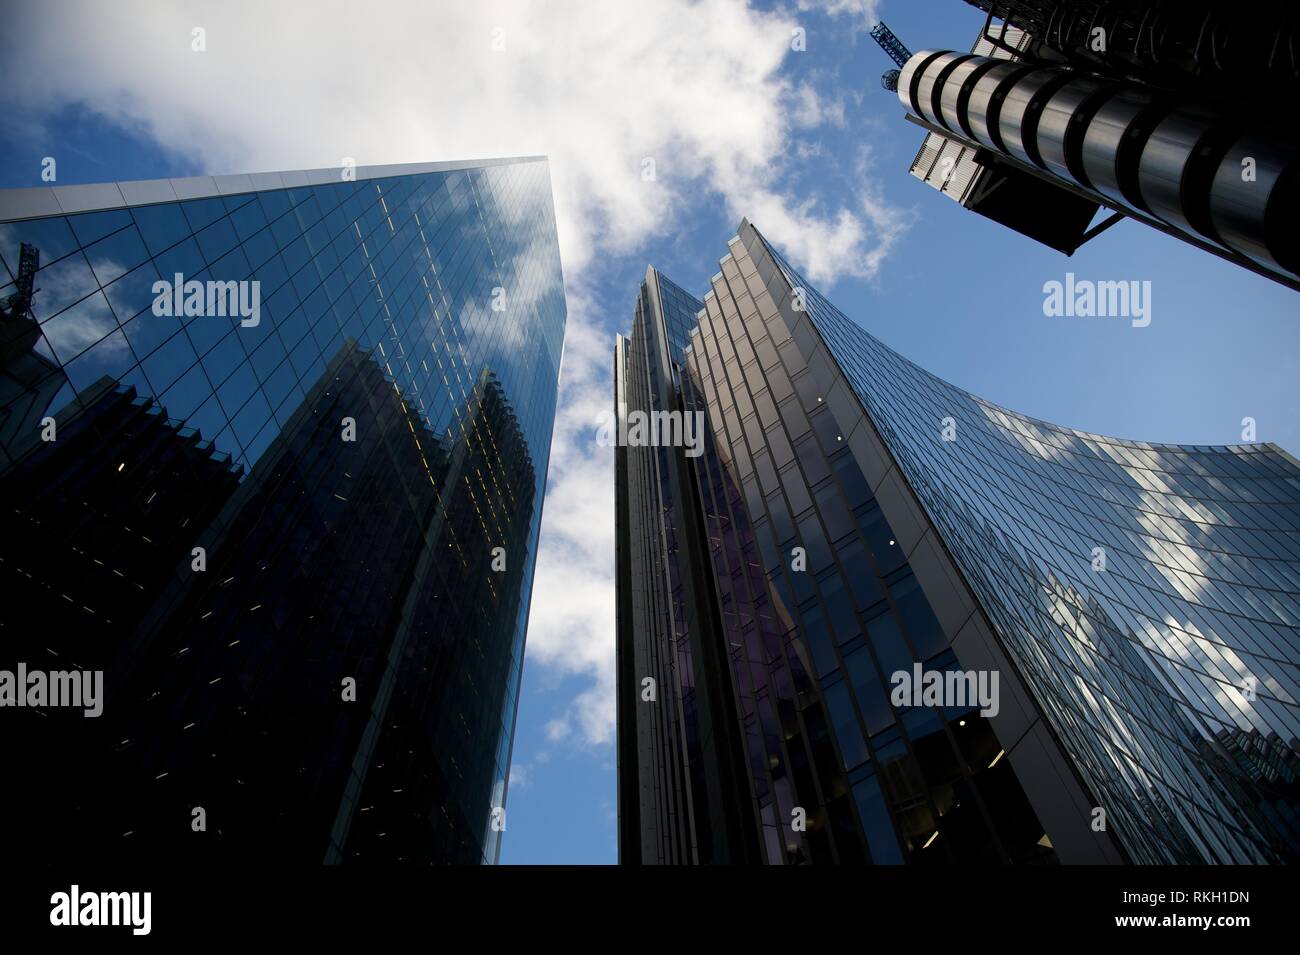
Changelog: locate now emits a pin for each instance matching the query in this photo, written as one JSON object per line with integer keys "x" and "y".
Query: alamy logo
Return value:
{"x": 73, "y": 688}
{"x": 1084, "y": 298}
{"x": 952, "y": 688}
{"x": 103, "y": 908}
{"x": 209, "y": 299}
{"x": 652, "y": 429}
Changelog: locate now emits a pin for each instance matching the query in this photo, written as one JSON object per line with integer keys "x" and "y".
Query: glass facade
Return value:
{"x": 863, "y": 518}
{"x": 820, "y": 606}
{"x": 761, "y": 668}
{"x": 680, "y": 766}
{"x": 1149, "y": 594}
{"x": 298, "y": 541}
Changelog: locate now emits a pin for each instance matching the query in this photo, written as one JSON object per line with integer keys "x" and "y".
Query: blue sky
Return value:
{"x": 806, "y": 144}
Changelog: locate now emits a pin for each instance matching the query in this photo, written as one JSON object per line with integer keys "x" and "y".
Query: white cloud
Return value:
{"x": 698, "y": 87}
{"x": 571, "y": 623}
{"x": 85, "y": 323}
{"x": 866, "y": 12}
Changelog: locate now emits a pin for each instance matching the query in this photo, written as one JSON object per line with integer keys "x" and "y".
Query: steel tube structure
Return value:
{"x": 1197, "y": 171}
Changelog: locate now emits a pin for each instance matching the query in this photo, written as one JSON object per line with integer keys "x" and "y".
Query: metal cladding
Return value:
{"x": 1236, "y": 206}
{"x": 1112, "y": 144}
{"x": 932, "y": 79}
{"x": 1194, "y": 169}
{"x": 956, "y": 89}
{"x": 1018, "y": 118}
{"x": 1175, "y": 147}
{"x": 985, "y": 102}
{"x": 1061, "y": 125}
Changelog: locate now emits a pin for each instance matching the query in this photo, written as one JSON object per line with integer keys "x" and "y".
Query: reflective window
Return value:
{"x": 347, "y": 443}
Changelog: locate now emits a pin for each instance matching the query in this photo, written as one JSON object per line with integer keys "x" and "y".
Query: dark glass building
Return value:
{"x": 296, "y": 532}
{"x": 681, "y": 771}
{"x": 1138, "y": 603}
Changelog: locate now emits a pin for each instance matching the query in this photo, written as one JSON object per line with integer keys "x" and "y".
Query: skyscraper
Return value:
{"x": 1134, "y": 608}
{"x": 1162, "y": 113}
{"x": 284, "y": 490}
{"x": 681, "y": 767}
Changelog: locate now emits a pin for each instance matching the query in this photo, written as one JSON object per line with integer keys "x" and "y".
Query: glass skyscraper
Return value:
{"x": 680, "y": 769}
{"x": 272, "y": 456}
{"x": 852, "y": 519}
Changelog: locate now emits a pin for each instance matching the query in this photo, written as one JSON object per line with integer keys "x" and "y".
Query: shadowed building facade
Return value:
{"x": 308, "y": 540}
{"x": 681, "y": 768}
{"x": 1138, "y": 603}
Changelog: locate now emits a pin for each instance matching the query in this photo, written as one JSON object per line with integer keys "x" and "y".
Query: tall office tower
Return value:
{"x": 284, "y": 490}
{"x": 1164, "y": 113}
{"x": 872, "y": 529}
{"x": 681, "y": 768}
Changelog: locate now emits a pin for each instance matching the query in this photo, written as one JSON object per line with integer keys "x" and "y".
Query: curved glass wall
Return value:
{"x": 821, "y": 608}
{"x": 1148, "y": 593}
